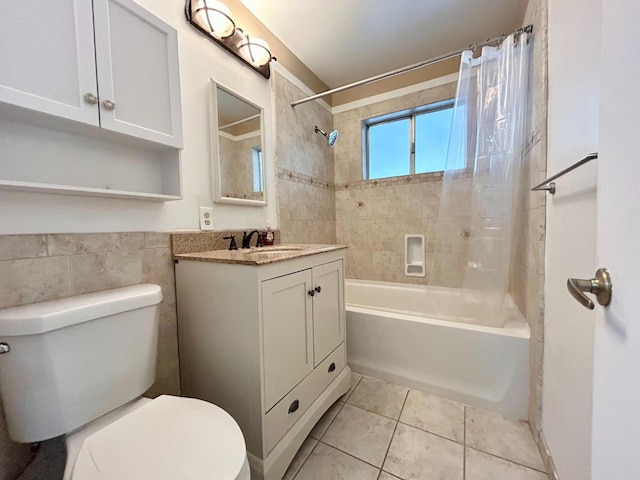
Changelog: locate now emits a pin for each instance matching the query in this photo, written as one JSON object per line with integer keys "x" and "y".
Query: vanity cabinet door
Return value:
{"x": 328, "y": 309}
{"x": 287, "y": 333}
{"x": 47, "y": 60}
{"x": 138, "y": 72}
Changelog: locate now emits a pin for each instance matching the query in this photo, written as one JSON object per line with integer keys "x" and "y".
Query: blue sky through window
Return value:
{"x": 432, "y": 140}
{"x": 390, "y": 141}
{"x": 389, "y": 153}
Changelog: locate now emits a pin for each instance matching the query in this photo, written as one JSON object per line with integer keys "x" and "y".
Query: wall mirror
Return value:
{"x": 236, "y": 143}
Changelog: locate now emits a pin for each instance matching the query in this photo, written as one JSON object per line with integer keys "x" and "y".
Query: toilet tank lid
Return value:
{"x": 51, "y": 315}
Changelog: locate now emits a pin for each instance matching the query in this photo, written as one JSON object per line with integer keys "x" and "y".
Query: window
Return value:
{"x": 256, "y": 156}
{"x": 407, "y": 142}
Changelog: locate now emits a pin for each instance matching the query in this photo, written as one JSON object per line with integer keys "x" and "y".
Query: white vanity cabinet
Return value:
{"x": 107, "y": 63}
{"x": 267, "y": 344}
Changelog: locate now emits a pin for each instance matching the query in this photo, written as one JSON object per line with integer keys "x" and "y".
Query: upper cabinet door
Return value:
{"x": 47, "y": 58}
{"x": 138, "y": 72}
{"x": 328, "y": 309}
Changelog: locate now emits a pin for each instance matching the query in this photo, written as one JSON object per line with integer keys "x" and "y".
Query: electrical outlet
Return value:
{"x": 206, "y": 220}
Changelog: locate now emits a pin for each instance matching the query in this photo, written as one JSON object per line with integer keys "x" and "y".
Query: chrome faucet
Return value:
{"x": 246, "y": 239}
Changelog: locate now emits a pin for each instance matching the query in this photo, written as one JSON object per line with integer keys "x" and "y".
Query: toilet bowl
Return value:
{"x": 166, "y": 438}
{"x": 79, "y": 365}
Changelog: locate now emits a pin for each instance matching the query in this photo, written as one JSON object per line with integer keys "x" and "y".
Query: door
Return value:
{"x": 328, "y": 309}
{"x": 138, "y": 72}
{"x": 287, "y": 330}
{"x": 47, "y": 57}
{"x": 616, "y": 378}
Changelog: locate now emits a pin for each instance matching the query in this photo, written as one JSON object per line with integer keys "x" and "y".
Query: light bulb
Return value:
{"x": 214, "y": 17}
{"x": 255, "y": 51}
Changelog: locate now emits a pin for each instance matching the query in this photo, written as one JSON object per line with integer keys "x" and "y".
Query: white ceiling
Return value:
{"x": 343, "y": 41}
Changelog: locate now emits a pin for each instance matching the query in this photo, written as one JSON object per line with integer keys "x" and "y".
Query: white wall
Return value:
{"x": 200, "y": 60}
{"x": 571, "y": 234}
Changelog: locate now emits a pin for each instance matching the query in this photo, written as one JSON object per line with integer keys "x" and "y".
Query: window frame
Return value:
{"x": 411, "y": 114}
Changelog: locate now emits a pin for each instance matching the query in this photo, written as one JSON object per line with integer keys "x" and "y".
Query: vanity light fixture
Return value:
{"x": 214, "y": 19}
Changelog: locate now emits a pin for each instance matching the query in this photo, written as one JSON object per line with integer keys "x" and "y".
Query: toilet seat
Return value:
{"x": 166, "y": 438}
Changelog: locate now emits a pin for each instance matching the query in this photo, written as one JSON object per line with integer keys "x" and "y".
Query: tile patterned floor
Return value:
{"x": 383, "y": 431}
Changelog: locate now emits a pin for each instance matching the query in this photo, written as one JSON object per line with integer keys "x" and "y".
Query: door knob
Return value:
{"x": 600, "y": 286}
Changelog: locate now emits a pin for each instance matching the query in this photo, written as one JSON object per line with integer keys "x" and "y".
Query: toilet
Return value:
{"x": 78, "y": 366}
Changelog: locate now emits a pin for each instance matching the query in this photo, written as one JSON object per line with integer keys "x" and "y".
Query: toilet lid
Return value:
{"x": 167, "y": 438}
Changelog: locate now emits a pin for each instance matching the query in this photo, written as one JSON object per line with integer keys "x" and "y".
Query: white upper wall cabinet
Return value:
{"x": 126, "y": 82}
{"x": 48, "y": 59}
{"x": 138, "y": 72}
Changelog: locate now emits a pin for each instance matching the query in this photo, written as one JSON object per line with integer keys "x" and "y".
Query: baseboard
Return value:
{"x": 546, "y": 457}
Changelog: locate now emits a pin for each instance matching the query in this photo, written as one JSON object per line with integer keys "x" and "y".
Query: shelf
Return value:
{"x": 12, "y": 185}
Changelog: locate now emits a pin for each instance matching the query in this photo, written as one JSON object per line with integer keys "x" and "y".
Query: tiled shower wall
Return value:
{"x": 304, "y": 163}
{"x": 35, "y": 268}
{"x": 527, "y": 281}
{"x": 373, "y": 216}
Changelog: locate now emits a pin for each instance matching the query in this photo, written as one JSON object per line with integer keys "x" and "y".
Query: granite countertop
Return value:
{"x": 258, "y": 256}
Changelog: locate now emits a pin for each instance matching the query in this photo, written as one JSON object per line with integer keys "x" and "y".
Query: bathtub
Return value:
{"x": 389, "y": 337}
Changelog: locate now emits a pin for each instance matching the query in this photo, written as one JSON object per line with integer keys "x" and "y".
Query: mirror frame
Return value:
{"x": 215, "y": 147}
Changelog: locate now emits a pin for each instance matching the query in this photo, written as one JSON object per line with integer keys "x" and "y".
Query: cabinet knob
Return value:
{"x": 332, "y": 367}
{"x": 109, "y": 105}
{"x": 318, "y": 289}
{"x": 90, "y": 98}
{"x": 294, "y": 406}
{"x": 311, "y": 292}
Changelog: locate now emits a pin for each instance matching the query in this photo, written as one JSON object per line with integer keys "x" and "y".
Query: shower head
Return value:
{"x": 331, "y": 137}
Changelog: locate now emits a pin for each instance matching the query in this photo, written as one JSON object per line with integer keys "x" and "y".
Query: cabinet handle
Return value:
{"x": 332, "y": 367}
{"x": 90, "y": 98}
{"x": 109, "y": 105}
{"x": 318, "y": 289}
{"x": 294, "y": 406}
{"x": 311, "y": 292}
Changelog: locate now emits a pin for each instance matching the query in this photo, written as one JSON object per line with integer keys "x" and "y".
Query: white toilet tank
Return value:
{"x": 72, "y": 360}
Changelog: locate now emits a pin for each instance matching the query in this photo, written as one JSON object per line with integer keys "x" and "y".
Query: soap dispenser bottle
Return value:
{"x": 269, "y": 237}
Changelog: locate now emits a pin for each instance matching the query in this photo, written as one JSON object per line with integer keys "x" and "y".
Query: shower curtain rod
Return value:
{"x": 415, "y": 66}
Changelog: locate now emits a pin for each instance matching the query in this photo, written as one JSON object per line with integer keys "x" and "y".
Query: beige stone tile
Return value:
{"x": 84, "y": 243}
{"x": 387, "y": 476}
{"x": 157, "y": 239}
{"x": 303, "y": 453}
{"x": 420, "y": 455}
{"x": 326, "y": 463}
{"x": 508, "y": 439}
{"x": 380, "y": 397}
{"x": 103, "y": 271}
{"x": 14, "y": 247}
{"x": 434, "y": 414}
{"x": 482, "y": 466}
{"x": 362, "y": 434}
{"x": 323, "y": 424}
{"x": 158, "y": 268}
{"x": 33, "y": 280}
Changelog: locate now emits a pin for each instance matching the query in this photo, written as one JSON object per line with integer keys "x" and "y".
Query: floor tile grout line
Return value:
{"x": 331, "y": 422}
{"x": 430, "y": 432}
{"x": 394, "y": 432}
{"x": 508, "y": 460}
{"x": 464, "y": 444}
{"x": 305, "y": 460}
{"x": 352, "y": 455}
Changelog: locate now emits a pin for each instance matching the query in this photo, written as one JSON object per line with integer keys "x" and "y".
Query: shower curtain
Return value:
{"x": 481, "y": 182}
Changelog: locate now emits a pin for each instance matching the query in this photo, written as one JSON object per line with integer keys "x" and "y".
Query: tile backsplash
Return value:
{"x": 36, "y": 268}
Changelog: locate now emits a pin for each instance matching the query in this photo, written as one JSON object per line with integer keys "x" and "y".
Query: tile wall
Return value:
{"x": 373, "y": 216}
{"x": 36, "y": 268}
{"x": 527, "y": 281}
{"x": 304, "y": 163}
